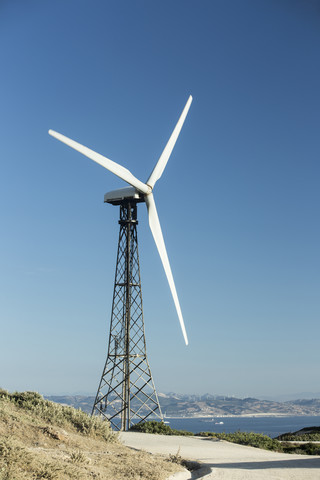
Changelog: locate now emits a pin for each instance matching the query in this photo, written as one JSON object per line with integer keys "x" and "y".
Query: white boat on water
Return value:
{"x": 212, "y": 420}
{"x": 164, "y": 418}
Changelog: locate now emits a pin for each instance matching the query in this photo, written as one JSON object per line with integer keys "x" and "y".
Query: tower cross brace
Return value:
{"x": 126, "y": 394}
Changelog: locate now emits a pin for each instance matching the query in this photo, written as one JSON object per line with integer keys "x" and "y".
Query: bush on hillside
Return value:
{"x": 27, "y": 400}
{"x": 301, "y": 448}
{"x": 60, "y": 415}
{"x": 304, "y": 435}
{"x": 247, "y": 438}
{"x": 4, "y": 393}
{"x": 257, "y": 440}
{"x": 160, "y": 428}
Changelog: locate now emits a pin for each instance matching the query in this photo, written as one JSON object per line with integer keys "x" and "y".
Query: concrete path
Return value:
{"x": 228, "y": 461}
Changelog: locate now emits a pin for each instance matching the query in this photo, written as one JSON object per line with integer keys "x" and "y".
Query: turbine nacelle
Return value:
{"x": 140, "y": 192}
{"x": 115, "y": 197}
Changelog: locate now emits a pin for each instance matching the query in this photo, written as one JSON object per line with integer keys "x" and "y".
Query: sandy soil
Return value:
{"x": 228, "y": 461}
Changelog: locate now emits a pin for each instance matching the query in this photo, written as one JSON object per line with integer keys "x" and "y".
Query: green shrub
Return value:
{"x": 27, "y": 400}
{"x": 301, "y": 448}
{"x": 310, "y": 448}
{"x": 206, "y": 434}
{"x": 159, "y": 428}
{"x": 306, "y": 437}
{"x": 247, "y": 438}
{"x": 3, "y": 393}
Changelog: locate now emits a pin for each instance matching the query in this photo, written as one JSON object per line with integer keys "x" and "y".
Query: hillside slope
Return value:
{"x": 43, "y": 440}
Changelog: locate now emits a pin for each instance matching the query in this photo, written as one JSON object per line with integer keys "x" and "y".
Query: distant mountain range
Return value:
{"x": 181, "y": 405}
{"x": 293, "y": 396}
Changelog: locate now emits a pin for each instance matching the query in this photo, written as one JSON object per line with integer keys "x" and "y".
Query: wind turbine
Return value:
{"x": 126, "y": 389}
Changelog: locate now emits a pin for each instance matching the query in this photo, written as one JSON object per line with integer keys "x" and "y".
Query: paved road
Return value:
{"x": 228, "y": 461}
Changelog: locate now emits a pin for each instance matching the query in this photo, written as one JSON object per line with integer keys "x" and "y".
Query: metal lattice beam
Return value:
{"x": 126, "y": 393}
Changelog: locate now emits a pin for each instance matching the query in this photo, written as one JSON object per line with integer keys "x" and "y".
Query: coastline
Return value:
{"x": 244, "y": 415}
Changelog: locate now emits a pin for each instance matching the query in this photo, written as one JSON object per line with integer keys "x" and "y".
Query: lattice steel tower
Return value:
{"x": 126, "y": 394}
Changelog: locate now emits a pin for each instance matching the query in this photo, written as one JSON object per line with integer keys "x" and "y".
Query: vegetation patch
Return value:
{"x": 301, "y": 448}
{"x": 60, "y": 415}
{"x": 41, "y": 440}
{"x": 308, "y": 434}
{"x": 159, "y": 428}
{"x": 251, "y": 439}
{"x": 17, "y": 462}
{"x": 258, "y": 440}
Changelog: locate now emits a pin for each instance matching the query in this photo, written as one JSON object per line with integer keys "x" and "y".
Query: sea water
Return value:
{"x": 271, "y": 426}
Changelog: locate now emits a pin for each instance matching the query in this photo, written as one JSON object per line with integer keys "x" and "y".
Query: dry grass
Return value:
{"x": 67, "y": 445}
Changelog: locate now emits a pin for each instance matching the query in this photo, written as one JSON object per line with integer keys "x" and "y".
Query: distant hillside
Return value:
{"x": 307, "y": 434}
{"x": 218, "y": 406}
{"x": 176, "y": 405}
{"x": 42, "y": 440}
{"x": 76, "y": 401}
{"x": 289, "y": 397}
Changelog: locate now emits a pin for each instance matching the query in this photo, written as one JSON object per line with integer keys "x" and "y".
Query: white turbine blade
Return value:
{"x": 113, "y": 167}
{"x": 162, "y": 162}
{"x": 158, "y": 238}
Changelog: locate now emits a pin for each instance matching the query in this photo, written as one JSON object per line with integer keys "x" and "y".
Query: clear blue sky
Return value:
{"x": 238, "y": 201}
